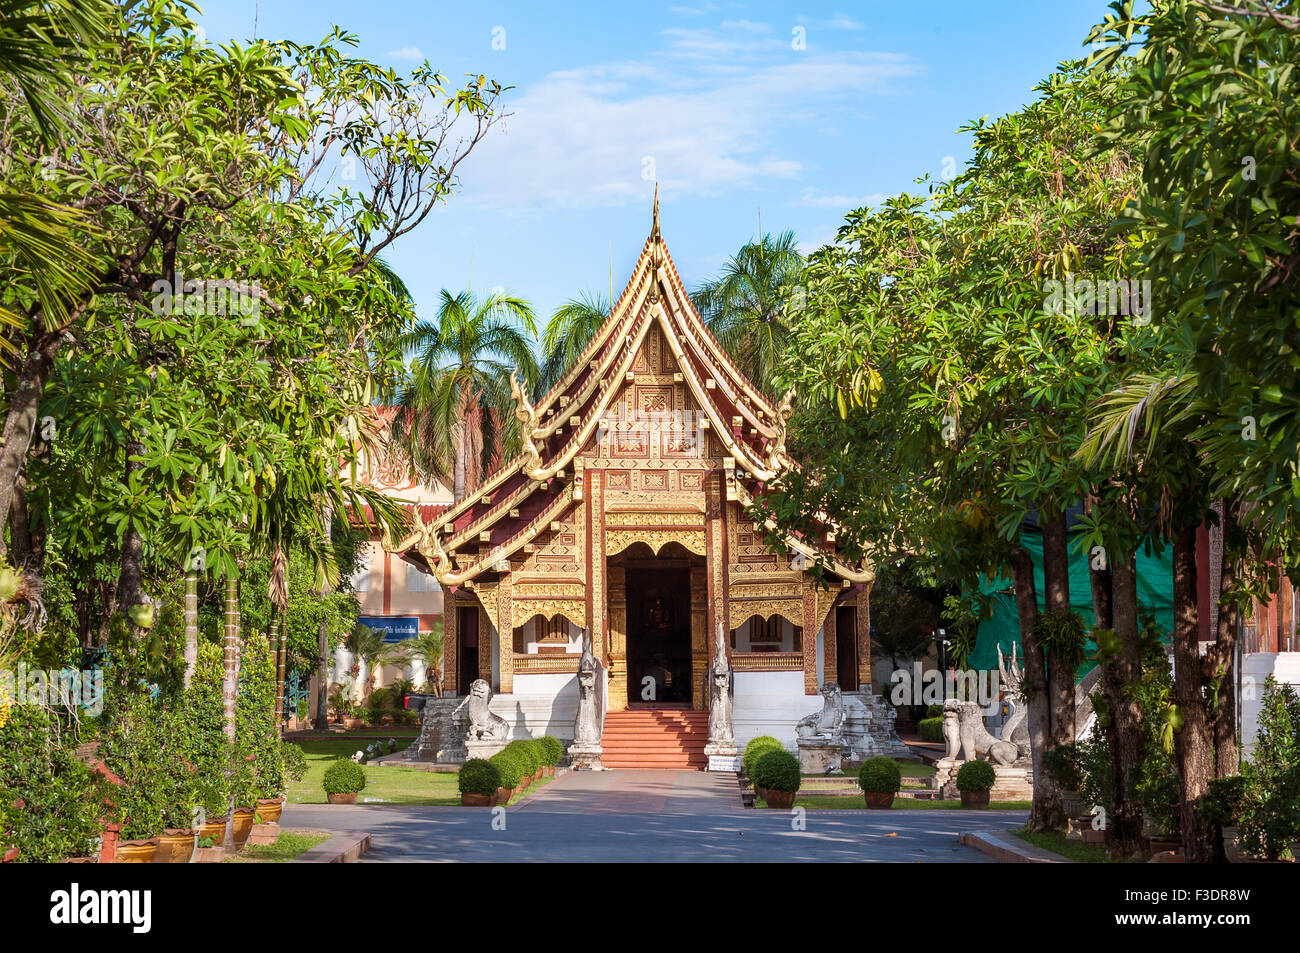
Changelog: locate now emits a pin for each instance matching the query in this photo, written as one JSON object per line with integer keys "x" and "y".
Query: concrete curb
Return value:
{"x": 345, "y": 847}
{"x": 1009, "y": 848}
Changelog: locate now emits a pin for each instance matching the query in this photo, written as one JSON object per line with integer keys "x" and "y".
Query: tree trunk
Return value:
{"x": 20, "y": 421}
{"x": 230, "y": 655}
{"x": 1056, "y": 582}
{"x": 1102, "y": 600}
{"x": 1046, "y": 814}
{"x": 321, "y": 722}
{"x": 130, "y": 581}
{"x": 1192, "y": 751}
{"x": 20, "y": 537}
{"x": 1125, "y": 732}
{"x": 1224, "y": 655}
{"x": 191, "y": 624}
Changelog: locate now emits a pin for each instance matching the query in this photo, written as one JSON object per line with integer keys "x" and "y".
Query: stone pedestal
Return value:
{"x": 485, "y": 748}
{"x": 1013, "y": 783}
{"x": 441, "y": 739}
{"x": 723, "y": 756}
{"x": 820, "y": 757}
{"x": 868, "y": 728}
{"x": 585, "y": 757}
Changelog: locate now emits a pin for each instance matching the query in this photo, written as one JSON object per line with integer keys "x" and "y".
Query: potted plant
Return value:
{"x": 132, "y": 751}
{"x": 478, "y": 782}
{"x": 179, "y": 789}
{"x": 511, "y": 770}
{"x": 343, "y": 779}
{"x": 1063, "y": 764}
{"x": 528, "y": 757}
{"x": 552, "y": 754}
{"x": 756, "y": 748}
{"x": 778, "y": 773}
{"x": 1223, "y": 806}
{"x": 975, "y": 779}
{"x": 879, "y": 778}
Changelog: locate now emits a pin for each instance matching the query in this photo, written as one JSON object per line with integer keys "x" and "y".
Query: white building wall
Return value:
{"x": 1255, "y": 669}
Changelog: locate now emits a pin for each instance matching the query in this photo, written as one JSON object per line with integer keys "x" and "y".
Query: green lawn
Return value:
{"x": 1076, "y": 850}
{"x": 384, "y": 784}
{"x": 822, "y": 802}
{"x": 289, "y": 845}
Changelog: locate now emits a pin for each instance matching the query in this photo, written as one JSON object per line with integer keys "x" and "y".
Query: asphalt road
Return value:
{"x": 651, "y": 817}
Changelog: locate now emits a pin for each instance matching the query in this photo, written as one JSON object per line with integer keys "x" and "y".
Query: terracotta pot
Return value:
{"x": 352, "y": 724}
{"x": 977, "y": 800}
{"x": 174, "y": 846}
{"x": 475, "y": 800}
{"x": 348, "y": 798}
{"x": 781, "y": 800}
{"x": 1232, "y": 846}
{"x": 760, "y": 791}
{"x": 270, "y": 809}
{"x": 878, "y": 800}
{"x": 137, "y": 851}
{"x": 241, "y": 825}
{"x": 548, "y": 771}
{"x": 504, "y": 795}
{"x": 10, "y": 856}
{"x": 77, "y": 860}
{"x": 214, "y": 828}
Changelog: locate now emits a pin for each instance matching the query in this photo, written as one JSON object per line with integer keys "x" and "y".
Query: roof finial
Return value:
{"x": 654, "y": 230}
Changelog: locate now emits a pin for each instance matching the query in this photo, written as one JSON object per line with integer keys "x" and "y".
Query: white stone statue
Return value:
{"x": 484, "y": 724}
{"x": 825, "y": 725}
{"x": 1015, "y": 730}
{"x": 966, "y": 736}
{"x": 722, "y": 692}
{"x": 588, "y": 727}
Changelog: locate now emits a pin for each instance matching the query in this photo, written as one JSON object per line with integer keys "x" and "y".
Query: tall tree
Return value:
{"x": 570, "y": 329}
{"x": 749, "y": 305}
{"x": 456, "y": 409}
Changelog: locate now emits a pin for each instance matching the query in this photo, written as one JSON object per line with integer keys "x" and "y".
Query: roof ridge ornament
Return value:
{"x": 527, "y": 417}
{"x": 655, "y": 260}
{"x": 777, "y": 458}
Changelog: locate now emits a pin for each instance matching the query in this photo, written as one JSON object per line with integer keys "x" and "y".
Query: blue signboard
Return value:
{"x": 394, "y": 627}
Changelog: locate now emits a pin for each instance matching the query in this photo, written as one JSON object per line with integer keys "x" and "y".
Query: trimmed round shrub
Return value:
{"x": 975, "y": 776}
{"x": 931, "y": 730}
{"x": 344, "y": 776}
{"x": 527, "y": 753}
{"x": 755, "y": 750}
{"x": 479, "y": 776}
{"x": 777, "y": 771}
{"x": 880, "y": 775}
{"x": 552, "y": 750}
{"x": 510, "y": 767}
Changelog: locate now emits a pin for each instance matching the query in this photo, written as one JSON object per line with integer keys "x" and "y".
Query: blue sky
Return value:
{"x": 709, "y": 98}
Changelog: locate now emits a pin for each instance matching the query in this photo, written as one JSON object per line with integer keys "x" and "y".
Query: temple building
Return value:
{"x": 625, "y": 516}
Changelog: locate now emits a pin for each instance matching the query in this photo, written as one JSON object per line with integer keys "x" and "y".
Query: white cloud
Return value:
{"x": 406, "y": 53}
{"x": 842, "y": 21}
{"x": 582, "y": 137}
{"x": 811, "y": 198}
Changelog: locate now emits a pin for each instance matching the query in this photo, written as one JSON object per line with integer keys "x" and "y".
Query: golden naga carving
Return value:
{"x": 527, "y": 417}
{"x": 777, "y": 459}
{"x": 424, "y": 540}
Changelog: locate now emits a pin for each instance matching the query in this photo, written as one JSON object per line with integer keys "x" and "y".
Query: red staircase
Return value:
{"x": 665, "y": 738}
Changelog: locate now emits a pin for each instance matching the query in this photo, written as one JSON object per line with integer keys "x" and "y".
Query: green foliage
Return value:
{"x": 1062, "y": 634}
{"x": 295, "y": 762}
{"x": 528, "y": 754}
{"x": 1226, "y": 801}
{"x": 880, "y": 775}
{"x": 479, "y": 776}
{"x": 1064, "y": 765}
{"x": 931, "y": 729}
{"x": 552, "y": 750}
{"x": 132, "y": 749}
{"x": 50, "y": 803}
{"x": 258, "y": 755}
{"x": 570, "y": 329}
{"x": 777, "y": 770}
{"x": 344, "y": 776}
{"x": 756, "y": 749}
{"x": 203, "y": 712}
{"x": 1157, "y": 780}
{"x": 510, "y": 767}
{"x": 1270, "y": 821}
{"x": 976, "y": 776}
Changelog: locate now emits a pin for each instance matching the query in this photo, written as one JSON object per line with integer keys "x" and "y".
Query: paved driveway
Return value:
{"x": 648, "y": 817}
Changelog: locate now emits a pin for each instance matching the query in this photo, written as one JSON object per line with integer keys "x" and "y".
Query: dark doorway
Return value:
{"x": 467, "y": 648}
{"x": 846, "y": 647}
{"x": 658, "y": 636}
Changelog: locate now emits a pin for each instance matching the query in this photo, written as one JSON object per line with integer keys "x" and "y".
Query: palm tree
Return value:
{"x": 426, "y": 648}
{"x": 368, "y": 646}
{"x": 747, "y": 305}
{"x": 462, "y": 372}
{"x": 571, "y": 329}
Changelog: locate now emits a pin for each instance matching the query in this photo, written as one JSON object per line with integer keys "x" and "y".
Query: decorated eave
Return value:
{"x": 521, "y": 500}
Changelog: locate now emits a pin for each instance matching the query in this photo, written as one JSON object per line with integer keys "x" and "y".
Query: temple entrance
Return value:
{"x": 658, "y": 636}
